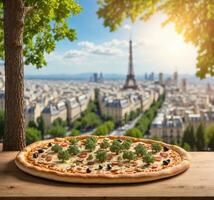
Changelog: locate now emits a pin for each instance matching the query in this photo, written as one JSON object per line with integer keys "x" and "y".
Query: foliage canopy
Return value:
{"x": 193, "y": 19}
{"x": 46, "y": 22}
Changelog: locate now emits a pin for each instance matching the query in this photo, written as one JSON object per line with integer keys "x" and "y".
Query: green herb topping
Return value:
{"x": 126, "y": 144}
{"x": 116, "y": 146}
{"x": 101, "y": 155}
{"x": 63, "y": 155}
{"x": 90, "y": 143}
{"x": 129, "y": 155}
{"x": 56, "y": 148}
{"x": 148, "y": 158}
{"x": 73, "y": 149}
{"x": 156, "y": 147}
{"x": 105, "y": 144}
{"x": 140, "y": 150}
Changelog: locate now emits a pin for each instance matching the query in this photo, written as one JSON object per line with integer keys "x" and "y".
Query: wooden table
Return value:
{"x": 198, "y": 181}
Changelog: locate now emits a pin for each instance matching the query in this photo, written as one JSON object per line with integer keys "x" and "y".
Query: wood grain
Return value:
{"x": 198, "y": 181}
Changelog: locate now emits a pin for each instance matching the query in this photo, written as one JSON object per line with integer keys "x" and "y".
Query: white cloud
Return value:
{"x": 107, "y": 48}
{"x": 73, "y": 54}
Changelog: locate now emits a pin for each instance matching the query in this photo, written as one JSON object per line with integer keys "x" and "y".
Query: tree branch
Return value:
{"x": 28, "y": 9}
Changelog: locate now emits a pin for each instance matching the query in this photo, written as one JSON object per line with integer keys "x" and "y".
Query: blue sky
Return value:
{"x": 99, "y": 50}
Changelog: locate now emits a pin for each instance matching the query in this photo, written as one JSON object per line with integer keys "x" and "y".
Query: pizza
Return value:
{"x": 102, "y": 159}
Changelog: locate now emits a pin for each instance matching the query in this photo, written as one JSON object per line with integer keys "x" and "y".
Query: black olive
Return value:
{"x": 100, "y": 166}
{"x": 165, "y": 148}
{"x": 40, "y": 150}
{"x": 35, "y": 155}
{"x": 88, "y": 170}
{"x": 109, "y": 167}
{"x": 166, "y": 162}
{"x": 49, "y": 144}
{"x": 119, "y": 140}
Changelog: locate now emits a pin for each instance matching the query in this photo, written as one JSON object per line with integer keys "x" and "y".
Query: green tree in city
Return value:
{"x": 59, "y": 122}
{"x": 200, "y": 138}
{"x": 75, "y": 132}
{"x": 41, "y": 126}
{"x": 101, "y": 130}
{"x": 76, "y": 124}
{"x": 90, "y": 120}
{"x": 186, "y": 146}
{"x": 32, "y": 124}
{"x": 189, "y": 137}
{"x": 32, "y": 135}
{"x": 2, "y": 123}
{"x": 134, "y": 132}
{"x": 56, "y": 131}
{"x": 209, "y": 136}
{"x": 28, "y": 29}
{"x": 196, "y": 26}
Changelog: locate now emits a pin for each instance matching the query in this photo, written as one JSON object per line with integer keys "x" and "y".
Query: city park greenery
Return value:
{"x": 143, "y": 124}
{"x": 36, "y": 26}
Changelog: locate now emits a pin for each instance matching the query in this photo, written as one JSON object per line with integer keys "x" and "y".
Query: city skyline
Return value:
{"x": 155, "y": 48}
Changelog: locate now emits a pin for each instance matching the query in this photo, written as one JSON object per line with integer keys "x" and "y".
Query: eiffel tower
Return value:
{"x": 130, "y": 78}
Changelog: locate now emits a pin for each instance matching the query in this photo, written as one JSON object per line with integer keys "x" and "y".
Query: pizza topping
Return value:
{"x": 158, "y": 158}
{"x": 116, "y": 146}
{"x": 63, "y": 155}
{"x": 109, "y": 167}
{"x": 165, "y": 148}
{"x": 105, "y": 144}
{"x": 148, "y": 158}
{"x": 129, "y": 155}
{"x": 140, "y": 150}
{"x": 56, "y": 148}
{"x": 166, "y": 162}
{"x": 154, "y": 166}
{"x": 90, "y": 163}
{"x": 49, "y": 144}
{"x": 73, "y": 149}
{"x": 101, "y": 155}
{"x": 35, "y": 155}
{"x": 109, "y": 156}
{"x": 90, "y": 157}
{"x": 88, "y": 170}
{"x": 100, "y": 166}
{"x": 156, "y": 148}
{"x": 126, "y": 144}
{"x": 164, "y": 154}
{"x": 64, "y": 144}
{"x": 83, "y": 154}
{"x": 73, "y": 141}
{"x": 40, "y": 150}
{"x": 90, "y": 143}
{"x": 48, "y": 158}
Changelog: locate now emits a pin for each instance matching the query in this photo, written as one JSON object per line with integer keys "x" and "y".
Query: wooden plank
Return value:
{"x": 198, "y": 181}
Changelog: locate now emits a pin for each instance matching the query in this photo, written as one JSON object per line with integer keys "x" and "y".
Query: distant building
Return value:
{"x": 184, "y": 85}
{"x": 73, "y": 109}
{"x": 160, "y": 80}
{"x": 97, "y": 78}
{"x": 32, "y": 113}
{"x": 175, "y": 78}
{"x": 168, "y": 128}
{"x": 152, "y": 76}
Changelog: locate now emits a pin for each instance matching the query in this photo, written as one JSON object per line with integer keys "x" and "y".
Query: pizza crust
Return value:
{"x": 38, "y": 171}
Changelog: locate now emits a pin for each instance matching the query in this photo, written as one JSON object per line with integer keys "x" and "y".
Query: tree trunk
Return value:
{"x": 14, "y": 13}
